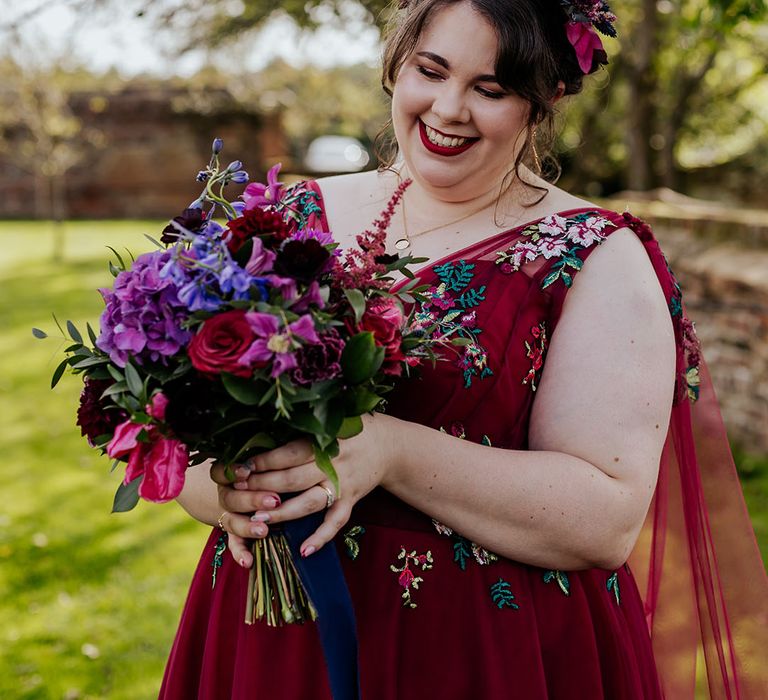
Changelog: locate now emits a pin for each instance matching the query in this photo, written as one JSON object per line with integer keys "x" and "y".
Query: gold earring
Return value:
{"x": 536, "y": 159}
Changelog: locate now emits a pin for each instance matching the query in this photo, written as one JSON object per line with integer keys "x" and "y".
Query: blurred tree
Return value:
{"x": 39, "y": 134}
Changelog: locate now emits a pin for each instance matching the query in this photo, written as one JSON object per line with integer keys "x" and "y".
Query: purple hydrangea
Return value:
{"x": 143, "y": 315}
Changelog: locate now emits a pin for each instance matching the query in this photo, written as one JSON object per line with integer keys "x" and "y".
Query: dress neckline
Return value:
{"x": 462, "y": 252}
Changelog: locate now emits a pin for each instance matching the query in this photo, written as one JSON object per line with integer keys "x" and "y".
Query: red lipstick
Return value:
{"x": 443, "y": 150}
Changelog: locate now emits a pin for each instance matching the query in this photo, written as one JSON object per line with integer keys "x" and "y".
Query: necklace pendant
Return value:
{"x": 402, "y": 243}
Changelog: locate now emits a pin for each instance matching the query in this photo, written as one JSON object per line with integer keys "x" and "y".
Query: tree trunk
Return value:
{"x": 642, "y": 108}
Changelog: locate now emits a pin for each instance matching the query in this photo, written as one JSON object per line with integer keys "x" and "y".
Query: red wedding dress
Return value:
{"x": 440, "y": 617}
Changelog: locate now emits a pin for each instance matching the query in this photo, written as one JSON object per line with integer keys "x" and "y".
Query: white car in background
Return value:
{"x": 336, "y": 154}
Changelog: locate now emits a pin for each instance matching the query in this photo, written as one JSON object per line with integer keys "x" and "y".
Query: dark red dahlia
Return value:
{"x": 303, "y": 260}
{"x": 97, "y": 416}
{"x": 257, "y": 222}
{"x": 190, "y": 219}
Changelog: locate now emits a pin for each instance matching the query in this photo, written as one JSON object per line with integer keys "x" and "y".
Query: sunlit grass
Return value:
{"x": 89, "y": 601}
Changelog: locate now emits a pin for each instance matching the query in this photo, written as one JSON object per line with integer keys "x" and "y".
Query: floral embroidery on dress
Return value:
{"x": 463, "y": 549}
{"x": 561, "y": 578}
{"x": 407, "y": 579}
{"x": 450, "y": 310}
{"x": 555, "y": 237}
{"x": 218, "y": 556}
{"x": 457, "y": 430}
{"x": 535, "y": 351}
{"x": 298, "y": 203}
{"x": 612, "y": 584}
{"x": 501, "y": 594}
{"x": 350, "y": 541}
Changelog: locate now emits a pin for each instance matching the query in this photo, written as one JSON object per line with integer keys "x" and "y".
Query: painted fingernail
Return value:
{"x": 242, "y": 562}
{"x": 271, "y": 502}
{"x": 242, "y": 472}
{"x": 259, "y": 530}
{"x": 240, "y": 485}
{"x": 307, "y": 550}
{"x": 260, "y": 518}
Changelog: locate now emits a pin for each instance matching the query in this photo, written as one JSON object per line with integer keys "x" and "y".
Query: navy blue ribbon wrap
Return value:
{"x": 326, "y": 586}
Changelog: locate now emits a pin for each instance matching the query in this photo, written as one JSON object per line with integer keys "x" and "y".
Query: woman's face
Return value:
{"x": 457, "y": 129}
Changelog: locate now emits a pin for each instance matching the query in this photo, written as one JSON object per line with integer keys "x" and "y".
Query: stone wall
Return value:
{"x": 725, "y": 289}
{"x": 150, "y": 143}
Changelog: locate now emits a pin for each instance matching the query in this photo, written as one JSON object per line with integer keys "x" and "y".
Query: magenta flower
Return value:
{"x": 258, "y": 195}
{"x": 277, "y": 344}
{"x": 261, "y": 259}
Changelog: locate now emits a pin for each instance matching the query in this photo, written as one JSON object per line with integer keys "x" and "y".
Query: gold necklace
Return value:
{"x": 405, "y": 242}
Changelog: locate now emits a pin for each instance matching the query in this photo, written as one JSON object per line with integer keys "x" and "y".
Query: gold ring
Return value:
{"x": 329, "y": 497}
{"x": 220, "y": 521}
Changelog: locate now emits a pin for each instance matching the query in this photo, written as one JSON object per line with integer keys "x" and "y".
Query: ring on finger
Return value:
{"x": 329, "y": 497}
{"x": 220, "y": 521}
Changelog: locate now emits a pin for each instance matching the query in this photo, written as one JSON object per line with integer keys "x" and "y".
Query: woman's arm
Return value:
{"x": 200, "y": 497}
{"x": 577, "y": 498}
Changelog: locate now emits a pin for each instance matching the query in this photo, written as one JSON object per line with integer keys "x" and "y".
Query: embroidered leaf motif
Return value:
{"x": 350, "y": 541}
{"x": 218, "y": 556}
{"x": 561, "y": 578}
{"x": 455, "y": 276}
{"x": 485, "y": 440}
{"x": 407, "y": 579}
{"x": 612, "y": 584}
{"x": 471, "y": 298}
{"x": 501, "y": 594}
{"x": 461, "y": 551}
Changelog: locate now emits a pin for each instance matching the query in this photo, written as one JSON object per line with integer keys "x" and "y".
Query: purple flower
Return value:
{"x": 319, "y": 361}
{"x": 143, "y": 315}
{"x": 276, "y": 344}
{"x": 261, "y": 259}
{"x": 259, "y": 195}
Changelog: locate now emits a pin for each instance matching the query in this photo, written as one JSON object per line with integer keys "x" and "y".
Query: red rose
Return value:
{"x": 385, "y": 320}
{"x": 221, "y": 342}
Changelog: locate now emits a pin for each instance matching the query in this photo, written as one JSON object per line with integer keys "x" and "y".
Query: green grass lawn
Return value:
{"x": 89, "y": 601}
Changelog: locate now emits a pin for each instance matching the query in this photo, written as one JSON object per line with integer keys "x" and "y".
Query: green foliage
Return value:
{"x": 89, "y": 600}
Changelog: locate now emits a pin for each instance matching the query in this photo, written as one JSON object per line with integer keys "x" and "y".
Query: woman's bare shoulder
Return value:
{"x": 352, "y": 202}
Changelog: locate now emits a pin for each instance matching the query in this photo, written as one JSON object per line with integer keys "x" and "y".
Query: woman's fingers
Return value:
{"x": 226, "y": 474}
{"x": 313, "y": 500}
{"x": 290, "y": 455}
{"x": 335, "y": 519}
{"x": 290, "y": 480}
{"x": 236, "y": 501}
{"x": 240, "y": 551}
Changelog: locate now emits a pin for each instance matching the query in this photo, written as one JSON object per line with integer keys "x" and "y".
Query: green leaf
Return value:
{"x": 91, "y": 333}
{"x": 90, "y": 362}
{"x": 58, "y": 372}
{"x": 462, "y": 341}
{"x": 114, "y": 271}
{"x": 243, "y": 390}
{"x": 135, "y": 385}
{"x": 119, "y": 259}
{"x": 74, "y": 333}
{"x": 260, "y": 440}
{"x": 127, "y": 496}
{"x": 116, "y": 388}
{"x": 154, "y": 241}
{"x": 350, "y": 427}
{"x": 356, "y": 301}
{"x": 361, "y": 358}
{"x": 361, "y": 401}
{"x": 323, "y": 461}
{"x": 39, "y": 334}
{"x": 117, "y": 375}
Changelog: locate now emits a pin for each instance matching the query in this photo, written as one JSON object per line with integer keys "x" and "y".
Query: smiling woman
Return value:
{"x": 528, "y": 517}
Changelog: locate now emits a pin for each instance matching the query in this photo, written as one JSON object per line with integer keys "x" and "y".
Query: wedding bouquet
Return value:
{"x": 234, "y": 337}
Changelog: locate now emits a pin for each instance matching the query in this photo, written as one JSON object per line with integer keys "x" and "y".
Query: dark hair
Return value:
{"x": 534, "y": 57}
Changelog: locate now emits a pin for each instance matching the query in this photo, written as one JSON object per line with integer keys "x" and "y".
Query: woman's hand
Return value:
{"x": 362, "y": 464}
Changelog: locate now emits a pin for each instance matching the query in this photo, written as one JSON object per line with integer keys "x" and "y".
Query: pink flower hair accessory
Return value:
{"x": 585, "y": 19}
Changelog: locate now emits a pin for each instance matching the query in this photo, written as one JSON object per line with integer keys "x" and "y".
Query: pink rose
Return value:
{"x": 384, "y": 318}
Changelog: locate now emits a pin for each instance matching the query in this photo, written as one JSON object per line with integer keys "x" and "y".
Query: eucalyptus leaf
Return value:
{"x": 135, "y": 385}
{"x": 91, "y": 333}
{"x": 127, "y": 496}
{"x": 39, "y": 334}
{"x": 74, "y": 333}
{"x": 58, "y": 372}
{"x": 90, "y": 362}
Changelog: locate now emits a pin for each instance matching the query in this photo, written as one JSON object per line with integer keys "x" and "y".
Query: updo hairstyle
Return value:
{"x": 534, "y": 57}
